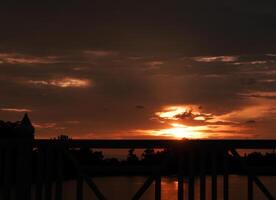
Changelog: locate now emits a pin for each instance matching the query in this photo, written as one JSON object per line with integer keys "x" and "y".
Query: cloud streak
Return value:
{"x": 215, "y": 58}
{"x": 16, "y": 58}
{"x": 67, "y": 82}
{"x": 15, "y": 110}
{"x": 99, "y": 53}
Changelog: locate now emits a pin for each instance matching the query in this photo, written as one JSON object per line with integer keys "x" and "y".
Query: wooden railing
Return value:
{"x": 21, "y": 171}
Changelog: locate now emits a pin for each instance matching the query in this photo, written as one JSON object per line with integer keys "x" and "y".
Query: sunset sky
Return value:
{"x": 140, "y": 69}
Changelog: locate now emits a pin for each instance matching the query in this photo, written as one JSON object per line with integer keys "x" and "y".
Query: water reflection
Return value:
{"x": 123, "y": 188}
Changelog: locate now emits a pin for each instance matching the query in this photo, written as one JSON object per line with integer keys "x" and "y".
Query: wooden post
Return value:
{"x": 7, "y": 174}
{"x": 79, "y": 188}
{"x": 180, "y": 174}
{"x": 202, "y": 175}
{"x": 191, "y": 178}
{"x": 214, "y": 174}
{"x": 59, "y": 178}
{"x": 39, "y": 172}
{"x": 225, "y": 177}
{"x": 49, "y": 172}
{"x": 2, "y": 163}
{"x": 28, "y": 164}
{"x": 158, "y": 187}
{"x": 249, "y": 187}
{"x": 23, "y": 170}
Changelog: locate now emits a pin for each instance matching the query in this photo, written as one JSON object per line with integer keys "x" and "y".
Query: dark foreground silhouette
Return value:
{"x": 95, "y": 164}
{"x": 26, "y": 163}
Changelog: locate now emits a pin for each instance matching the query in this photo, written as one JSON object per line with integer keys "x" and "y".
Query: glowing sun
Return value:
{"x": 181, "y": 131}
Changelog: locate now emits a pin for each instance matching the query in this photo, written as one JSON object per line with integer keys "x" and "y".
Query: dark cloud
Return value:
{"x": 139, "y": 107}
{"x": 192, "y": 27}
{"x": 250, "y": 122}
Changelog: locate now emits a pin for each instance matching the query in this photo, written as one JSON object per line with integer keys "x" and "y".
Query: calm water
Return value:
{"x": 123, "y": 188}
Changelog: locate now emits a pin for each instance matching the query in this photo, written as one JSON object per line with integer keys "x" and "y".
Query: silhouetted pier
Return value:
{"x": 20, "y": 170}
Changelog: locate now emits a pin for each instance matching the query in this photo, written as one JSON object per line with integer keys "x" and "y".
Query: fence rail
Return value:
{"x": 20, "y": 169}
{"x": 238, "y": 144}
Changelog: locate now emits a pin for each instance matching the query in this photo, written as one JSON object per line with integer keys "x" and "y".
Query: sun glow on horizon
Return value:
{"x": 193, "y": 122}
{"x": 181, "y": 131}
{"x": 177, "y": 131}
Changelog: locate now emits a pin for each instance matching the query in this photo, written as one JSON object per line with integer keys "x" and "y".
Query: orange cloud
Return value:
{"x": 183, "y": 112}
{"x": 44, "y": 125}
{"x": 99, "y": 53}
{"x": 15, "y": 58}
{"x": 67, "y": 82}
{"x": 215, "y": 58}
{"x": 190, "y": 122}
{"x": 16, "y": 110}
{"x": 154, "y": 64}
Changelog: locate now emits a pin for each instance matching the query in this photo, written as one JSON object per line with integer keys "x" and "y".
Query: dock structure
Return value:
{"x": 21, "y": 172}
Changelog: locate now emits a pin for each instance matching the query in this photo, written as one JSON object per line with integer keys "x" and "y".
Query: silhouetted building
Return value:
{"x": 17, "y": 130}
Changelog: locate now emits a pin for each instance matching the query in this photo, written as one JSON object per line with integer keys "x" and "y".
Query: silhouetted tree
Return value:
{"x": 111, "y": 161}
{"x": 132, "y": 157}
{"x": 64, "y": 137}
{"x": 87, "y": 156}
{"x": 148, "y": 156}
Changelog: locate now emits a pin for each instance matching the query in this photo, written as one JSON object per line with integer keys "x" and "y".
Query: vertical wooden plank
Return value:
{"x": 48, "y": 172}
{"x": 1, "y": 172}
{"x": 59, "y": 178}
{"x": 7, "y": 174}
{"x": 28, "y": 168}
{"x": 24, "y": 170}
{"x": 19, "y": 169}
{"x": 202, "y": 175}
{"x": 191, "y": 178}
{"x": 225, "y": 177}
{"x": 79, "y": 192}
{"x": 39, "y": 173}
{"x": 214, "y": 174}
{"x": 250, "y": 187}
{"x": 180, "y": 175}
{"x": 158, "y": 187}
